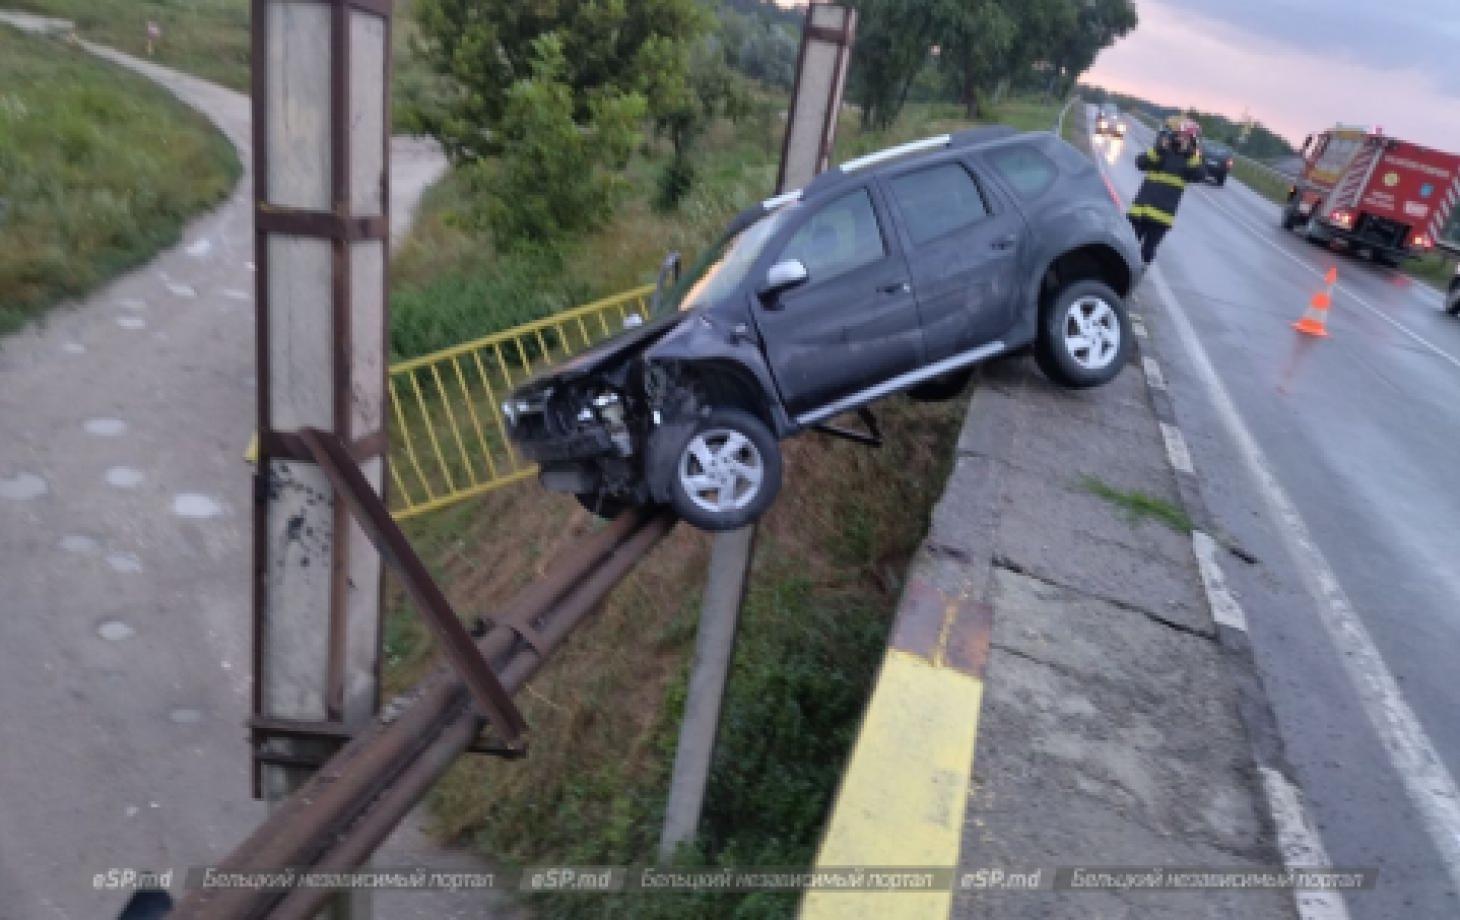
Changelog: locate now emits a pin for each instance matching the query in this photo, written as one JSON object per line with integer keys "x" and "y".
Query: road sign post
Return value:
{"x": 321, "y": 173}
{"x": 811, "y": 121}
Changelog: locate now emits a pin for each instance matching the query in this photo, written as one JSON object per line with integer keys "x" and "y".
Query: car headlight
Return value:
{"x": 535, "y": 403}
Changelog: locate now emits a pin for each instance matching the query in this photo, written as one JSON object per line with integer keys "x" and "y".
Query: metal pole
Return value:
{"x": 811, "y": 123}
{"x": 321, "y": 174}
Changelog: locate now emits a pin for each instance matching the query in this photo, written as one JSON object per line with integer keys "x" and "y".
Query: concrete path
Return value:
{"x": 124, "y": 555}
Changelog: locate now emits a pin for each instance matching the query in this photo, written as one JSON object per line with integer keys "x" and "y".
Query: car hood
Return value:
{"x": 606, "y": 352}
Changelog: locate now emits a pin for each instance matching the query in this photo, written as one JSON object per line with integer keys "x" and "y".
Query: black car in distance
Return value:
{"x": 895, "y": 272}
{"x": 1218, "y": 160}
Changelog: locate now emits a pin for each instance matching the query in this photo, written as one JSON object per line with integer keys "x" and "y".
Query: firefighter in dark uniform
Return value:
{"x": 1174, "y": 160}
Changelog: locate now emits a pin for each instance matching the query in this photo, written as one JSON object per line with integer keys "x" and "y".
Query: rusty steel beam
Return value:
{"x": 338, "y": 818}
{"x": 350, "y": 485}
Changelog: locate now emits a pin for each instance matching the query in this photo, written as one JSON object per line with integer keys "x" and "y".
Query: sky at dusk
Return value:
{"x": 1299, "y": 65}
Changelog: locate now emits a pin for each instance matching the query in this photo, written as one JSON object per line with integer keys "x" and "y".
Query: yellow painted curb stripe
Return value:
{"x": 903, "y": 795}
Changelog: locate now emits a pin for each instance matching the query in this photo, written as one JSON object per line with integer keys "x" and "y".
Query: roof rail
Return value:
{"x": 882, "y": 156}
{"x": 770, "y": 204}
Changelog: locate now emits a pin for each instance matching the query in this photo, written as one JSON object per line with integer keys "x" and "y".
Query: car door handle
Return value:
{"x": 897, "y": 287}
{"x": 1005, "y": 242}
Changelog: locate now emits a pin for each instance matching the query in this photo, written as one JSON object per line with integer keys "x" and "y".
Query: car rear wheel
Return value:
{"x": 727, "y": 472}
{"x": 1084, "y": 336}
{"x": 1452, "y": 306}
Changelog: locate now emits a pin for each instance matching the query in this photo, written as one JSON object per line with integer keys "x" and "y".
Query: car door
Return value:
{"x": 854, "y": 322}
{"x": 963, "y": 248}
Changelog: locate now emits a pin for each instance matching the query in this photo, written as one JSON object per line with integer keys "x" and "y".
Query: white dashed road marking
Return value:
{"x": 1225, "y": 609}
{"x": 127, "y": 563}
{"x": 77, "y": 543}
{"x": 195, "y": 506}
{"x": 105, "y": 427}
{"x": 1154, "y": 377}
{"x": 115, "y": 631}
{"x": 22, "y": 487}
{"x": 124, "y": 477}
{"x": 1301, "y": 845}
{"x": 131, "y": 322}
{"x": 1176, "y": 450}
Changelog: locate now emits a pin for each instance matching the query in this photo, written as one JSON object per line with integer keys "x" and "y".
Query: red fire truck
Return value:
{"x": 1381, "y": 196}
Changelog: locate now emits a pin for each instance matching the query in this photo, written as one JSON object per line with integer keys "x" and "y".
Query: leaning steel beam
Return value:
{"x": 338, "y": 818}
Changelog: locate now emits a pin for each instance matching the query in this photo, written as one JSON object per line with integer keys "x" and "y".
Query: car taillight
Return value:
{"x": 1229, "y": 162}
{"x": 1343, "y": 217}
{"x": 1422, "y": 241}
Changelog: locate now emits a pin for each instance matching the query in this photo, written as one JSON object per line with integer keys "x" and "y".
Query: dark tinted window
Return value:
{"x": 937, "y": 201}
{"x": 842, "y": 236}
{"x": 1027, "y": 170}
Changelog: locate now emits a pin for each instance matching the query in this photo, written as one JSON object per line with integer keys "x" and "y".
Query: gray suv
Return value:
{"x": 895, "y": 272}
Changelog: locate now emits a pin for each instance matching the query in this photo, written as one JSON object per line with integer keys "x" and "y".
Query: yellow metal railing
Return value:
{"x": 448, "y": 438}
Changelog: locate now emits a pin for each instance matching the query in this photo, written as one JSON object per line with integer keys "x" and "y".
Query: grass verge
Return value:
{"x": 1138, "y": 505}
{"x": 99, "y": 169}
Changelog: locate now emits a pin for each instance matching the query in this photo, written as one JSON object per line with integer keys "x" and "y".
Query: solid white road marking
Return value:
{"x": 1176, "y": 449}
{"x": 1421, "y": 771}
{"x": 1225, "y": 609}
{"x": 1301, "y": 845}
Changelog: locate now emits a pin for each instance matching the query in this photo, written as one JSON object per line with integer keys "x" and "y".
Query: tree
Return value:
{"x": 611, "y": 49}
{"x": 1096, "y": 25}
{"x": 554, "y": 177}
{"x": 894, "y": 42}
{"x": 976, "y": 38}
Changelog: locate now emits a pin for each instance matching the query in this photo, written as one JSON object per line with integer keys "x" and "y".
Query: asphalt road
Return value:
{"x": 124, "y": 560}
{"x": 1350, "y": 444}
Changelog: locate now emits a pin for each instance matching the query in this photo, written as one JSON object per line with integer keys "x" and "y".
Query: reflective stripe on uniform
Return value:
{"x": 1152, "y": 213}
{"x": 1167, "y": 179}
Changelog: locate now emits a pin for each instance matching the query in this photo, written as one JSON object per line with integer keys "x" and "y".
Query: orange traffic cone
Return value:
{"x": 1315, "y": 318}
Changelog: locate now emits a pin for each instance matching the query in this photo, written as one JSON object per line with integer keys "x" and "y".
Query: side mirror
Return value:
{"x": 782, "y": 277}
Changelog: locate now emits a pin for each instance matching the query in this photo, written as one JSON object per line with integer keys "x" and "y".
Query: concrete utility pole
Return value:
{"x": 821, "y": 74}
{"x": 321, "y": 171}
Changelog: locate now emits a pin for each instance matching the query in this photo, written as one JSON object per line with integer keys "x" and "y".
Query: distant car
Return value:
{"x": 1108, "y": 121}
{"x": 1218, "y": 159}
{"x": 895, "y": 272}
{"x": 1452, "y": 299}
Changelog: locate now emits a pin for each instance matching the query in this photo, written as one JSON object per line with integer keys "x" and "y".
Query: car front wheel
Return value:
{"x": 1084, "y": 336}
{"x": 727, "y": 472}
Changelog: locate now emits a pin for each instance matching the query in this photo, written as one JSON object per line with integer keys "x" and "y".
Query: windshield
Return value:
{"x": 722, "y": 267}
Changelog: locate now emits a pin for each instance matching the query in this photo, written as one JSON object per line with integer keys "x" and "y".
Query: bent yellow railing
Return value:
{"x": 448, "y": 437}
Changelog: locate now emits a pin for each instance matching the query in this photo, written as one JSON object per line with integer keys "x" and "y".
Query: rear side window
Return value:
{"x": 937, "y": 201}
{"x": 1028, "y": 171}
{"x": 842, "y": 236}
